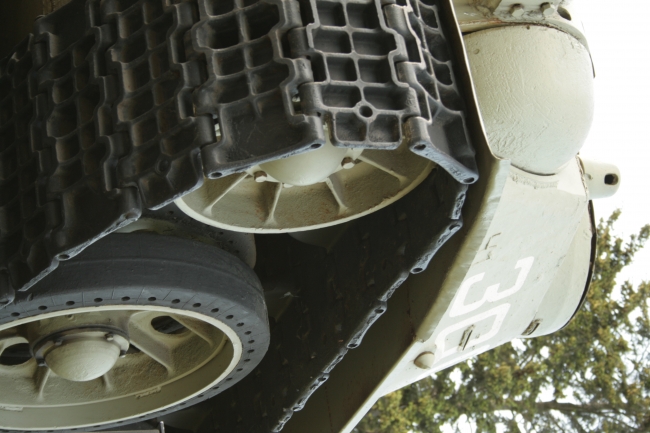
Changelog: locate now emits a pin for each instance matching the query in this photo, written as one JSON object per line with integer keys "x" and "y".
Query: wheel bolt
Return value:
{"x": 547, "y": 9}
{"x": 517, "y": 11}
{"x": 260, "y": 176}
{"x": 109, "y": 337}
{"x": 122, "y": 353}
{"x": 58, "y": 342}
{"x": 347, "y": 163}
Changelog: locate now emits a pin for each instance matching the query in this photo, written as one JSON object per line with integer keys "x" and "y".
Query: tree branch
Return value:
{"x": 593, "y": 408}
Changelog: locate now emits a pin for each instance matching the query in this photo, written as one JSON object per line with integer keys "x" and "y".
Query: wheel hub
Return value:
{"x": 81, "y": 354}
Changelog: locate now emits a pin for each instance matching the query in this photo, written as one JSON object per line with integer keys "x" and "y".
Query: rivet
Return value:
{"x": 517, "y": 11}
{"x": 547, "y": 9}
{"x": 425, "y": 360}
{"x": 260, "y": 176}
{"x": 347, "y": 163}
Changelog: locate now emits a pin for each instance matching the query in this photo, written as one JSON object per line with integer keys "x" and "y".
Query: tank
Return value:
{"x": 264, "y": 215}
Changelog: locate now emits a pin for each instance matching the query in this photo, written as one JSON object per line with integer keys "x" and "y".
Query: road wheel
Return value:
{"x": 137, "y": 326}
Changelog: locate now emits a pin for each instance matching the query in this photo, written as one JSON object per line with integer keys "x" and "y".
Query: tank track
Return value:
{"x": 116, "y": 106}
{"x": 335, "y": 296}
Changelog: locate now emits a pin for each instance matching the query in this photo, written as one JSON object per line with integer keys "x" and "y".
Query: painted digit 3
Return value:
{"x": 492, "y": 294}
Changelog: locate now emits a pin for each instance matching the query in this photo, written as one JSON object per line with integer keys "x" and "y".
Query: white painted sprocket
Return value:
{"x": 313, "y": 190}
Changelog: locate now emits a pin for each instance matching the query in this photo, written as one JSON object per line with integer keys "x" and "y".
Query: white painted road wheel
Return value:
{"x": 135, "y": 327}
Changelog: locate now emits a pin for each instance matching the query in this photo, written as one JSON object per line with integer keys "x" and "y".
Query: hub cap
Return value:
{"x": 81, "y": 354}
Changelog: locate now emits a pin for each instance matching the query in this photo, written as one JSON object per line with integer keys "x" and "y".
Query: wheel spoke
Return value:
{"x": 107, "y": 381}
{"x": 8, "y": 336}
{"x": 150, "y": 341}
{"x": 274, "y": 203}
{"x": 338, "y": 192}
{"x": 152, "y": 347}
{"x": 14, "y": 366}
{"x": 385, "y": 162}
{"x": 219, "y": 189}
{"x": 205, "y": 331}
{"x": 40, "y": 377}
{"x": 5, "y": 343}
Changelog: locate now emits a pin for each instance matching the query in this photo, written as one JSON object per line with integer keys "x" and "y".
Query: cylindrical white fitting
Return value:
{"x": 602, "y": 179}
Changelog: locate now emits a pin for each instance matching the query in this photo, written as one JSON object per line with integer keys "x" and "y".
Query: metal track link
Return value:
{"x": 116, "y": 106}
{"x": 336, "y": 296}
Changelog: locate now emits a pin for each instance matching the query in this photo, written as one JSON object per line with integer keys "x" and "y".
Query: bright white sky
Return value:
{"x": 617, "y": 31}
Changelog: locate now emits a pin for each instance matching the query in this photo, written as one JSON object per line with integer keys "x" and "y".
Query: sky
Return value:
{"x": 619, "y": 40}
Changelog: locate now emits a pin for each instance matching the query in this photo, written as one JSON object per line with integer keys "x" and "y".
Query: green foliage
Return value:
{"x": 593, "y": 375}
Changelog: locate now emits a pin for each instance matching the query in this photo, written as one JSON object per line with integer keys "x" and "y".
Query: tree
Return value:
{"x": 593, "y": 375}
